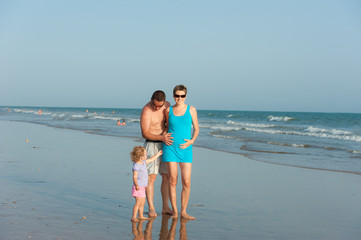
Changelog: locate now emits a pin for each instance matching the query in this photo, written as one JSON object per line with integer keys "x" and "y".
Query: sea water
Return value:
{"x": 324, "y": 141}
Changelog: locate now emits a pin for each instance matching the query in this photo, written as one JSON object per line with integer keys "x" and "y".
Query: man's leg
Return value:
{"x": 165, "y": 194}
{"x": 150, "y": 194}
{"x": 186, "y": 171}
{"x": 173, "y": 174}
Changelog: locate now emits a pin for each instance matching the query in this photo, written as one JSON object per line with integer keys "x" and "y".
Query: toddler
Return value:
{"x": 140, "y": 179}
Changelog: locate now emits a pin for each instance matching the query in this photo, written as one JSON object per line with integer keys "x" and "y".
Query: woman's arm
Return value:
{"x": 189, "y": 142}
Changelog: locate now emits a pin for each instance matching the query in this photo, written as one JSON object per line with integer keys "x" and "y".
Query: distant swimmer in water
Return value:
{"x": 122, "y": 124}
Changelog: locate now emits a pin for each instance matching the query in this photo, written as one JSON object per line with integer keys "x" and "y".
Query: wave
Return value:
{"x": 259, "y": 125}
{"x": 327, "y": 131}
{"x": 355, "y": 152}
{"x": 290, "y": 145}
{"x": 330, "y": 135}
{"x": 279, "y": 119}
{"x": 36, "y": 112}
{"x": 269, "y": 129}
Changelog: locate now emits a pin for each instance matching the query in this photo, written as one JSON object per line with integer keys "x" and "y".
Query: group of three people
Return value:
{"x": 169, "y": 128}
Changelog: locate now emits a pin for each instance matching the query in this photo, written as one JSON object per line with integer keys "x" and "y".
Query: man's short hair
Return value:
{"x": 158, "y": 95}
{"x": 180, "y": 88}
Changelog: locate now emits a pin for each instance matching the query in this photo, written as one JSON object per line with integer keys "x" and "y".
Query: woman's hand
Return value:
{"x": 186, "y": 144}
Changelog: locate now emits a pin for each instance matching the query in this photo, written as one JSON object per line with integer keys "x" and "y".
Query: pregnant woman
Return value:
{"x": 180, "y": 118}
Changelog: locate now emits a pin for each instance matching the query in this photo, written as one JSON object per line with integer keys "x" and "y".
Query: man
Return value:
{"x": 152, "y": 123}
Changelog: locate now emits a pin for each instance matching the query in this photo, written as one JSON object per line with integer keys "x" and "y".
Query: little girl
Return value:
{"x": 140, "y": 179}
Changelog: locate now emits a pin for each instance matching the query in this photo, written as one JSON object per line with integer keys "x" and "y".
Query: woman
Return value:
{"x": 180, "y": 118}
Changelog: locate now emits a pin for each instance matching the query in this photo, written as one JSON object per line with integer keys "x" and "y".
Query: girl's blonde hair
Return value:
{"x": 137, "y": 153}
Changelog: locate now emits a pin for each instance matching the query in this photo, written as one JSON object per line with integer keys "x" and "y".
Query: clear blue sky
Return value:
{"x": 235, "y": 55}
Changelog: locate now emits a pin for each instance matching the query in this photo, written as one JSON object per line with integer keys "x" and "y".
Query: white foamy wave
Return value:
{"x": 355, "y": 152}
{"x": 105, "y": 118}
{"x": 111, "y": 118}
{"x": 328, "y": 131}
{"x": 230, "y": 115}
{"x": 59, "y": 116}
{"x": 36, "y": 112}
{"x": 226, "y": 128}
{"x": 78, "y": 116}
{"x": 279, "y": 119}
{"x": 288, "y": 145}
{"x": 355, "y": 138}
{"x": 132, "y": 120}
{"x": 257, "y": 125}
{"x": 223, "y": 136}
{"x": 25, "y": 111}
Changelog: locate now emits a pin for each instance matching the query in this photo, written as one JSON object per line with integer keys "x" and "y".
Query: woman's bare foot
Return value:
{"x": 152, "y": 214}
{"x": 174, "y": 215}
{"x": 186, "y": 216}
{"x": 143, "y": 218}
{"x": 134, "y": 220}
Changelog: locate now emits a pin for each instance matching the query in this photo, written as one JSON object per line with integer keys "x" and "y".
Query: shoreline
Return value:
{"x": 140, "y": 139}
{"x": 48, "y": 190}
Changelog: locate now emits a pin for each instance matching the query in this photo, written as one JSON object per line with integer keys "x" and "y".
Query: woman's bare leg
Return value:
{"x": 186, "y": 172}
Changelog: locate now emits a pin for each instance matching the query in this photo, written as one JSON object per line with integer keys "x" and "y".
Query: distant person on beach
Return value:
{"x": 179, "y": 119}
{"x": 152, "y": 123}
{"x": 140, "y": 179}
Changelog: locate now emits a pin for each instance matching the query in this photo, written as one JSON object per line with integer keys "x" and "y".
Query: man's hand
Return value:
{"x": 167, "y": 138}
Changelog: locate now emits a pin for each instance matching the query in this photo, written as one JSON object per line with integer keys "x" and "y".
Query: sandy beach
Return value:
{"x": 67, "y": 184}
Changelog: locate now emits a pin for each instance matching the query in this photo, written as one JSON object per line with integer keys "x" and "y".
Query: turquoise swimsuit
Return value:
{"x": 181, "y": 128}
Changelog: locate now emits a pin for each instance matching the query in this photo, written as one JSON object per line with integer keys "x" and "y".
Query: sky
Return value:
{"x": 259, "y": 55}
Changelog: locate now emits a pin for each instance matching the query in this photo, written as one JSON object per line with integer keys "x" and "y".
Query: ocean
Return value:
{"x": 321, "y": 141}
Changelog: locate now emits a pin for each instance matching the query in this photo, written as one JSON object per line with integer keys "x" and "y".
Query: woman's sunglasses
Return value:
{"x": 181, "y": 96}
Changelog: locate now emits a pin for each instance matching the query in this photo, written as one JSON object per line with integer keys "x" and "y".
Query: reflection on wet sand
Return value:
{"x": 165, "y": 232}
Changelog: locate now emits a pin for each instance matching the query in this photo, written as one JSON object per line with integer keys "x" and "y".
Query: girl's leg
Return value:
{"x": 136, "y": 209}
{"x": 186, "y": 171}
{"x": 173, "y": 175}
{"x": 141, "y": 209}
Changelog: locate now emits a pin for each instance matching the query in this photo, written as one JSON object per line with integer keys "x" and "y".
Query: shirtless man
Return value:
{"x": 152, "y": 123}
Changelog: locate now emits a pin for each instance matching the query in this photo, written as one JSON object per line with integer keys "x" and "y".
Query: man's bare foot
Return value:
{"x": 186, "y": 216}
{"x": 152, "y": 214}
{"x": 167, "y": 211}
{"x": 143, "y": 218}
{"x": 134, "y": 220}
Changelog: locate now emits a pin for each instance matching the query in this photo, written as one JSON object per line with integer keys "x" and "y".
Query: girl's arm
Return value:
{"x": 135, "y": 179}
{"x": 154, "y": 157}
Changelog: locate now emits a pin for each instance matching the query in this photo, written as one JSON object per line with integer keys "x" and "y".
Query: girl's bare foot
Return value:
{"x": 186, "y": 216}
{"x": 134, "y": 220}
{"x": 143, "y": 218}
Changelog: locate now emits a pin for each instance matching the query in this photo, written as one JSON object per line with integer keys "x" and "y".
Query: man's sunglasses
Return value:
{"x": 181, "y": 96}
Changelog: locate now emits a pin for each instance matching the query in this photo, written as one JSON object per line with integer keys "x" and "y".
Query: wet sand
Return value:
{"x": 66, "y": 184}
